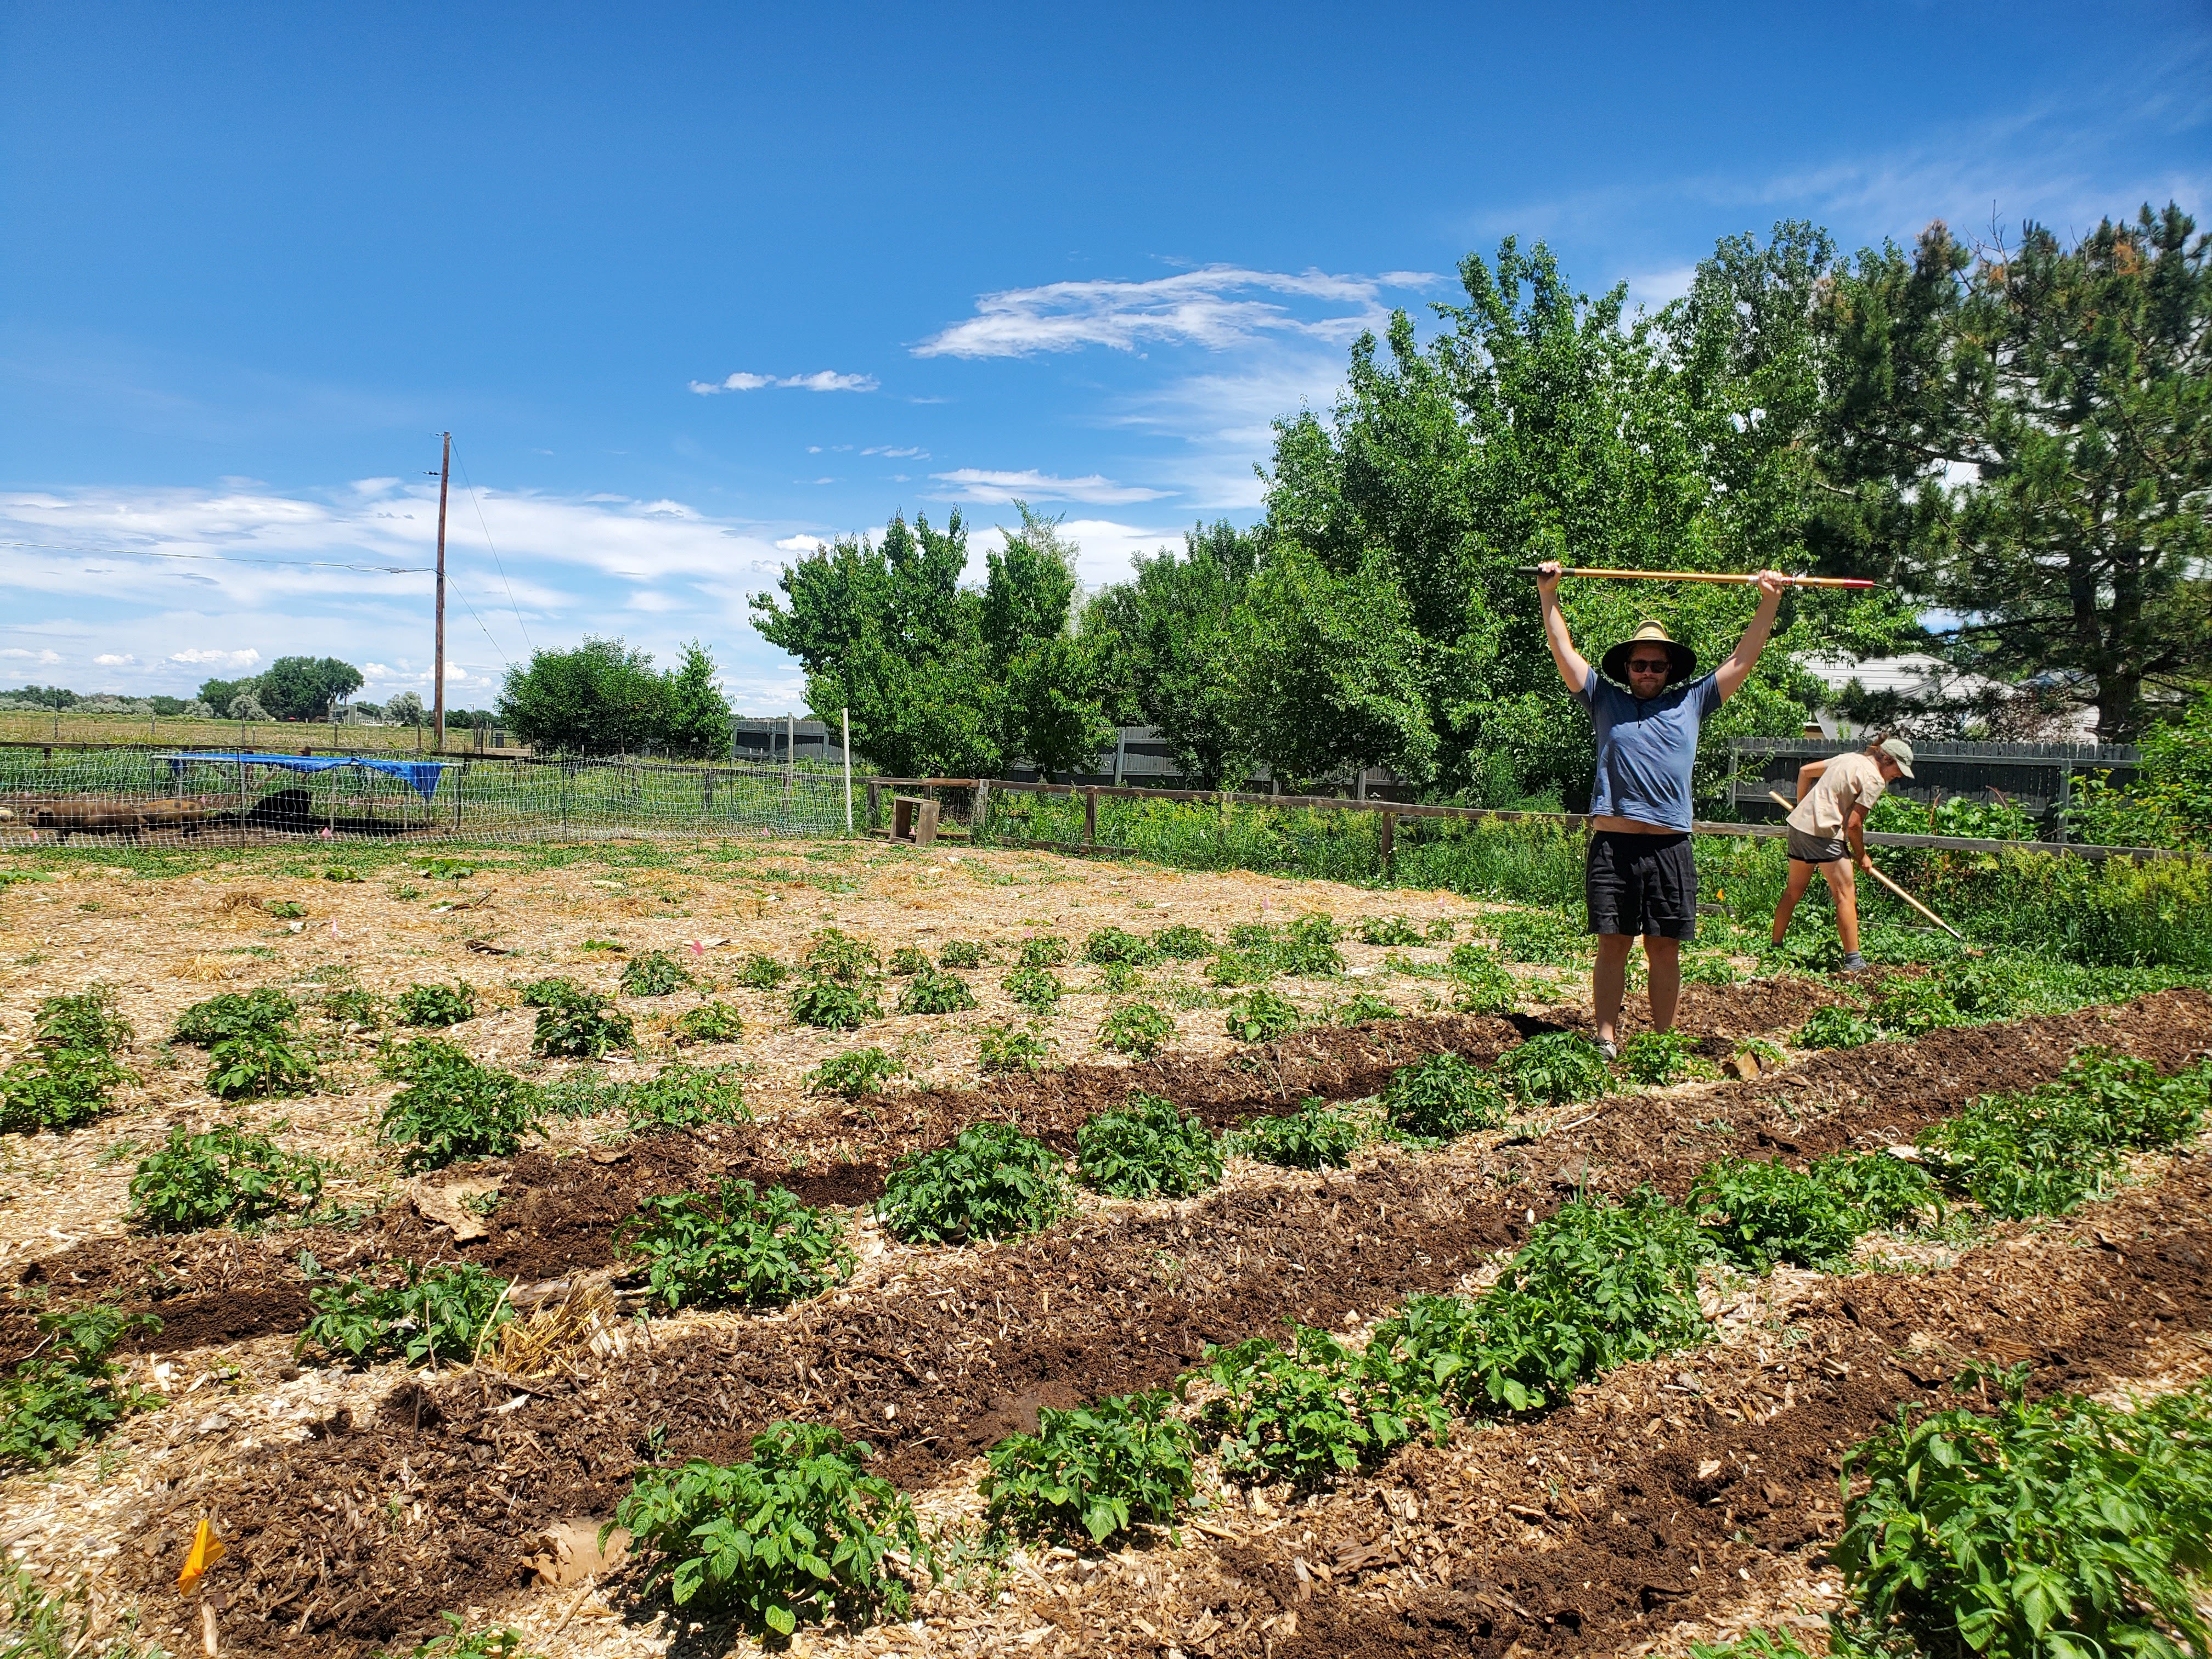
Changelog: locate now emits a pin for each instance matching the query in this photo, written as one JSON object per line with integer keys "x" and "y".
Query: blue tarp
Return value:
{"x": 421, "y": 776}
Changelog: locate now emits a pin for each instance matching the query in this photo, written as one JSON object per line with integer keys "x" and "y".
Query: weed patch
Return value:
{"x": 1148, "y": 1148}
{"x": 758, "y": 1249}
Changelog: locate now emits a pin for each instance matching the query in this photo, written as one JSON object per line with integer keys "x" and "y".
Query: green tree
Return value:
{"x": 1050, "y": 683}
{"x": 694, "y": 715}
{"x": 219, "y": 695}
{"x": 601, "y": 698}
{"x": 1163, "y": 639}
{"x": 888, "y": 633}
{"x": 2027, "y": 432}
{"x": 305, "y": 688}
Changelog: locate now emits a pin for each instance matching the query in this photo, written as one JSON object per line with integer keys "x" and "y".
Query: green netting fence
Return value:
{"x": 167, "y": 795}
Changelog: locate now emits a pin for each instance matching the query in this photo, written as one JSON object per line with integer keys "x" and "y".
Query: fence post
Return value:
{"x": 979, "y": 823}
{"x": 845, "y": 740}
{"x": 1386, "y": 824}
{"x": 1091, "y": 816}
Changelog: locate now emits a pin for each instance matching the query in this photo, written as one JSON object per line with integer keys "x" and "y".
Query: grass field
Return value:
{"x": 1676, "y": 1484}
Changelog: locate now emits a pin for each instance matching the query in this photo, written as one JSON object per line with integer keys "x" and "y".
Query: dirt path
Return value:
{"x": 952, "y": 1349}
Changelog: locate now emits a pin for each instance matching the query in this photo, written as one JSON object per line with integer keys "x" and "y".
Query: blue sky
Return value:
{"x": 694, "y": 285}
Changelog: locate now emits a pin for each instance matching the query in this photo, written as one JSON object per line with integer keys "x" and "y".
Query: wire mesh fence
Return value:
{"x": 239, "y": 797}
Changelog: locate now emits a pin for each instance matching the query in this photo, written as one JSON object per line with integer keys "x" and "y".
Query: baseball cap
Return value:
{"x": 1900, "y": 751}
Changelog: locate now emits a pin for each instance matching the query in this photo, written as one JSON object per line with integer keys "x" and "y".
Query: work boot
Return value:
{"x": 1609, "y": 1050}
{"x": 1853, "y": 962}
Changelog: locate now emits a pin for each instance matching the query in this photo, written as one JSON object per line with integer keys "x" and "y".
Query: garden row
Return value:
{"x": 1447, "y": 1353}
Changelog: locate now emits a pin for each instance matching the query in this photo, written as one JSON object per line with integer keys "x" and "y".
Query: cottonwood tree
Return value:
{"x": 601, "y": 698}
{"x": 1049, "y": 682}
{"x": 305, "y": 688}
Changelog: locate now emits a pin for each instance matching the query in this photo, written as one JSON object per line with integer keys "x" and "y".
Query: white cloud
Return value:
{"x": 1208, "y": 308}
{"x": 823, "y": 380}
{"x": 114, "y": 659}
{"x": 245, "y": 659}
{"x": 22, "y": 655}
{"x": 977, "y": 484}
{"x": 1103, "y": 547}
{"x": 897, "y": 454}
{"x": 800, "y": 544}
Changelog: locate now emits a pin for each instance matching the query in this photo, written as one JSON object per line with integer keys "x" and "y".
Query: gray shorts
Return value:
{"x": 1812, "y": 849}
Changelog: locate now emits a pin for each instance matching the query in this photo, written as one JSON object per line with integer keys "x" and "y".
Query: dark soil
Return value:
{"x": 942, "y": 1361}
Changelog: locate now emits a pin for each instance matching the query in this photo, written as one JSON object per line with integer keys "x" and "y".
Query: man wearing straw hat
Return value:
{"x": 1640, "y": 879}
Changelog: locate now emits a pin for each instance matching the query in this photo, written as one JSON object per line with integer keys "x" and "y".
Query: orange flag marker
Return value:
{"x": 207, "y": 1550}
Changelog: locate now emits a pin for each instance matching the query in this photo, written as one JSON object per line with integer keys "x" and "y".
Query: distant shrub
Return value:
{"x": 991, "y": 1181}
{"x": 1148, "y": 1148}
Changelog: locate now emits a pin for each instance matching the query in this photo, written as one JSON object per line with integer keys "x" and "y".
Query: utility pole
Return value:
{"x": 438, "y": 690}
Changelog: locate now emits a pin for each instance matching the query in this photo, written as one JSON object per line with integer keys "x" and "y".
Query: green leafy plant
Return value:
{"x": 1005, "y": 1049}
{"x": 1439, "y": 930}
{"x": 1140, "y": 1030}
{"x": 264, "y": 1013}
{"x": 710, "y": 1022}
{"x": 1308, "y": 947}
{"x": 799, "y": 1532}
{"x": 2050, "y": 1530}
{"x": 961, "y": 953}
{"x": 1148, "y": 1148}
{"x": 1914, "y": 1007}
{"x": 1183, "y": 942}
{"x": 1443, "y": 1096}
{"x": 430, "y": 1315}
{"x": 761, "y": 973}
{"x": 1115, "y": 944}
{"x": 1316, "y": 1136}
{"x": 574, "y": 1022}
{"x": 932, "y": 991}
{"x": 1483, "y": 985}
{"x": 284, "y": 909}
{"x": 1387, "y": 930}
{"x": 1094, "y": 1472}
{"x": 351, "y": 1006}
{"x": 453, "y": 1108}
{"x": 437, "y": 1005}
{"x": 1838, "y": 1028}
{"x": 989, "y": 1181}
{"x": 1761, "y": 1213}
{"x": 1598, "y": 1286}
{"x": 830, "y": 1006}
{"x": 1361, "y": 1007}
{"x": 69, "y": 1073}
{"x": 1044, "y": 951}
{"x": 459, "y": 1641}
{"x": 1261, "y": 1016}
{"x": 1554, "y": 1068}
{"x": 69, "y": 1391}
{"x": 252, "y": 1066}
{"x": 686, "y": 1097}
{"x": 1884, "y": 1189}
{"x": 340, "y": 873}
{"x": 908, "y": 959}
{"x": 1544, "y": 936}
{"x": 1310, "y": 1410}
{"x": 1239, "y": 964}
{"x": 853, "y": 1073}
{"x": 655, "y": 974}
{"x": 836, "y": 955}
{"x": 1033, "y": 988}
{"x": 1659, "y": 1058}
{"x": 582, "y": 1093}
{"x": 61, "y": 1623}
{"x": 760, "y": 1250}
{"x": 226, "y": 1173}
{"x": 1119, "y": 978}
{"x": 1708, "y": 967}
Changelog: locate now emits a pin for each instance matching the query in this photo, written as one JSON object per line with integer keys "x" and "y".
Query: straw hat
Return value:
{"x": 1649, "y": 633}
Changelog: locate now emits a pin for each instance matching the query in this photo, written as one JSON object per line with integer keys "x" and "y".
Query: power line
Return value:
{"x": 470, "y": 484}
{"x": 218, "y": 558}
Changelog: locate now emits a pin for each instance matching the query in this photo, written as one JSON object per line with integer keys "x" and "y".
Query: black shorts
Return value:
{"x": 1641, "y": 885}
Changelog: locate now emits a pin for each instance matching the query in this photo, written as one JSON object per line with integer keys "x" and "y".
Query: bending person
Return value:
{"x": 1640, "y": 879}
{"x": 1828, "y": 832}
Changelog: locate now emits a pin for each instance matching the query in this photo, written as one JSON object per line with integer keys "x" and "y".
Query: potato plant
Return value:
{"x": 1033, "y": 987}
{"x": 757, "y": 1249}
{"x": 1309, "y": 1410}
{"x": 431, "y": 1315}
{"x": 437, "y": 1005}
{"x": 932, "y": 991}
{"x": 1003, "y": 1048}
{"x": 854, "y": 1074}
{"x": 69, "y": 1073}
{"x": 226, "y": 1173}
{"x": 1261, "y": 1016}
{"x": 710, "y": 1022}
{"x": 451, "y": 1109}
{"x": 1146, "y": 1148}
{"x": 1094, "y": 1472}
{"x": 686, "y": 1097}
{"x": 1441, "y": 1097}
{"x": 573, "y": 1022}
{"x": 68, "y": 1392}
{"x": 799, "y": 1533}
{"x": 991, "y": 1181}
{"x": 1140, "y": 1029}
{"x": 1554, "y": 1068}
{"x": 1315, "y": 1137}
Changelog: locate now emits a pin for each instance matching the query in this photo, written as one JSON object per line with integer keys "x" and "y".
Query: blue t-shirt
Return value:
{"x": 1646, "y": 747}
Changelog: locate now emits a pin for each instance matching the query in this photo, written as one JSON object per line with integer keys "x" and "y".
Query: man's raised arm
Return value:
{"x": 1572, "y": 669}
{"x": 1741, "y": 661}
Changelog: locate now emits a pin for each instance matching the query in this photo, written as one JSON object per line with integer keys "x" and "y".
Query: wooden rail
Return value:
{"x": 1388, "y": 811}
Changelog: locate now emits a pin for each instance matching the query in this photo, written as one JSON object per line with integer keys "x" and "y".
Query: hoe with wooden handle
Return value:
{"x": 1698, "y": 576}
{"x": 1791, "y": 806}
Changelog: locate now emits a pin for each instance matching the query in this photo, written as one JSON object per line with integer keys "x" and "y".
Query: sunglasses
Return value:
{"x": 1649, "y": 665}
